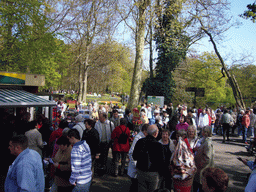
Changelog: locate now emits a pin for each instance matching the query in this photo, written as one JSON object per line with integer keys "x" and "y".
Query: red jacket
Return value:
{"x": 55, "y": 135}
{"x": 116, "y": 134}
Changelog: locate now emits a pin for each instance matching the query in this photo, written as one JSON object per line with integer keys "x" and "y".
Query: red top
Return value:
{"x": 210, "y": 120}
{"x": 188, "y": 145}
{"x": 199, "y": 111}
{"x": 116, "y": 134}
{"x": 55, "y": 135}
{"x": 246, "y": 120}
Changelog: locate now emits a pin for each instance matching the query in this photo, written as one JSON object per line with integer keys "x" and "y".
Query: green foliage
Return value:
{"x": 111, "y": 63}
{"x": 250, "y": 13}
{"x": 172, "y": 44}
{"x": 22, "y": 29}
{"x": 205, "y": 72}
{"x": 27, "y": 45}
{"x": 246, "y": 78}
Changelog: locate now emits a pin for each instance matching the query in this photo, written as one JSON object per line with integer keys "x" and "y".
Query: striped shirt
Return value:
{"x": 81, "y": 163}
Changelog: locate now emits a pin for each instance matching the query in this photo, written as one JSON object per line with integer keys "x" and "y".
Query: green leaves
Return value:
{"x": 250, "y": 13}
{"x": 205, "y": 72}
{"x": 26, "y": 43}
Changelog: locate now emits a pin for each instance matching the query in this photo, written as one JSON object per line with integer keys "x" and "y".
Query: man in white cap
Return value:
{"x": 80, "y": 126}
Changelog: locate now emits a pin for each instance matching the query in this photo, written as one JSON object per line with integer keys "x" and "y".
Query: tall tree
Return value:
{"x": 172, "y": 44}
{"x": 88, "y": 21}
{"x": 212, "y": 19}
{"x": 141, "y": 6}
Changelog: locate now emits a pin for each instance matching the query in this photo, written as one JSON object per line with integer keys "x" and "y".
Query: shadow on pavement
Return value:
{"x": 107, "y": 182}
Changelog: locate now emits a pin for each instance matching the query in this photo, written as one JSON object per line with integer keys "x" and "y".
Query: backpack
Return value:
{"x": 123, "y": 137}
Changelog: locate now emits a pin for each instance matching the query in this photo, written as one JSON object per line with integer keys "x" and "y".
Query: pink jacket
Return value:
{"x": 182, "y": 126}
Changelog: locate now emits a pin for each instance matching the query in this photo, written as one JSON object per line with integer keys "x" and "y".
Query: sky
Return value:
{"x": 239, "y": 41}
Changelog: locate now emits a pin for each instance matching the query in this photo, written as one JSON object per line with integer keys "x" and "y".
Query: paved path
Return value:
{"x": 225, "y": 158}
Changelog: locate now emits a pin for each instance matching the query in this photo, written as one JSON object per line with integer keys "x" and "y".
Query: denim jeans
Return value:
{"x": 239, "y": 129}
{"x": 82, "y": 187}
{"x": 244, "y": 130}
{"x": 213, "y": 124}
{"x": 251, "y": 131}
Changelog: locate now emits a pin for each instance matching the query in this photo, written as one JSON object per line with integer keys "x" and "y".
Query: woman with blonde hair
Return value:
{"x": 203, "y": 157}
{"x": 192, "y": 136}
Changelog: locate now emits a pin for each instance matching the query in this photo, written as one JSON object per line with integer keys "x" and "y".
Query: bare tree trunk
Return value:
{"x": 86, "y": 65}
{"x": 151, "y": 43}
{"x": 80, "y": 90}
{"x": 136, "y": 80}
{"x": 234, "y": 85}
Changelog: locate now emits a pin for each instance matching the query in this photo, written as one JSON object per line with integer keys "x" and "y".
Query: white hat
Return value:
{"x": 156, "y": 111}
{"x": 79, "y": 118}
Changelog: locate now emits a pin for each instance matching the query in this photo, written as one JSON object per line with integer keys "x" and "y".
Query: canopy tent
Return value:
{"x": 20, "y": 98}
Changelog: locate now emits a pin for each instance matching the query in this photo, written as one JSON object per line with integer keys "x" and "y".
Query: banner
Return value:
{"x": 156, "y": 100}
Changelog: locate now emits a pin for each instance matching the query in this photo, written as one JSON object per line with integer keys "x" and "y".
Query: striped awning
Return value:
{"x": 21, "y": 98}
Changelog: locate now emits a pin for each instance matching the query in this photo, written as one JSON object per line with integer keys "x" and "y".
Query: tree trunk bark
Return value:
{"x": 80, "y": 90}
{"x": 136, "y": 80}
{"x": 151, "y": 44}
{"x": 86, "y": 65}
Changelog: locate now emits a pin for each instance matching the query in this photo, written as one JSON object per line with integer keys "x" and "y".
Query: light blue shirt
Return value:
{"x": 25, "y": 173}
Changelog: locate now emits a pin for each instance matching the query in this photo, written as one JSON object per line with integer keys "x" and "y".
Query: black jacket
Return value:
{"x": 149, "y": 155}
{"x": 92, "y": 138}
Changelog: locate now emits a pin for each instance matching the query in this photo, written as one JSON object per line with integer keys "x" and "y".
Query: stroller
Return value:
{"x": 252, "y": 146}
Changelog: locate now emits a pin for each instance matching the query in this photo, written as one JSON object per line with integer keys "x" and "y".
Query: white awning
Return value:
{"x": 21, "y": 98}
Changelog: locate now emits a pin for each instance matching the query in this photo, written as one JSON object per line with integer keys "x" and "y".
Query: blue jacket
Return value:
{"x": 26, "y": 173}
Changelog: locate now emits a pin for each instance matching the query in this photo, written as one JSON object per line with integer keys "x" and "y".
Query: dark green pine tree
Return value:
{"x": 172, "y": 45}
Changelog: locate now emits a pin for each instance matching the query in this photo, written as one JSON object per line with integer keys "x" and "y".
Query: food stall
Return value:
{"x": 18, "y": 92}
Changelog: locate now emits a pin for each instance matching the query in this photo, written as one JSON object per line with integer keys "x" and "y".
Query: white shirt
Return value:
{"x": 132, "y": 172}
{"x": 203, "y": 120}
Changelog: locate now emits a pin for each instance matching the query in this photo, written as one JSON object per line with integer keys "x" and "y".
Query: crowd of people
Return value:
{"x": 152, "y": 140}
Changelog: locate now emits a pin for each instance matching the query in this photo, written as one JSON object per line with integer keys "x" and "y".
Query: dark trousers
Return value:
{"x": 104, "y": 148}
{"x": 197, "y": 187}
{"x": 244, "y": 131}
{"x": 226, "y": 128}
{"x": 93, "y": 163}
{"x": 134, "y": 185}
{"x": 148, "y": 181}
{"x": 166, "y": 181}
{"x": 116, "y": 158}
{"x": 65, "y": 189}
